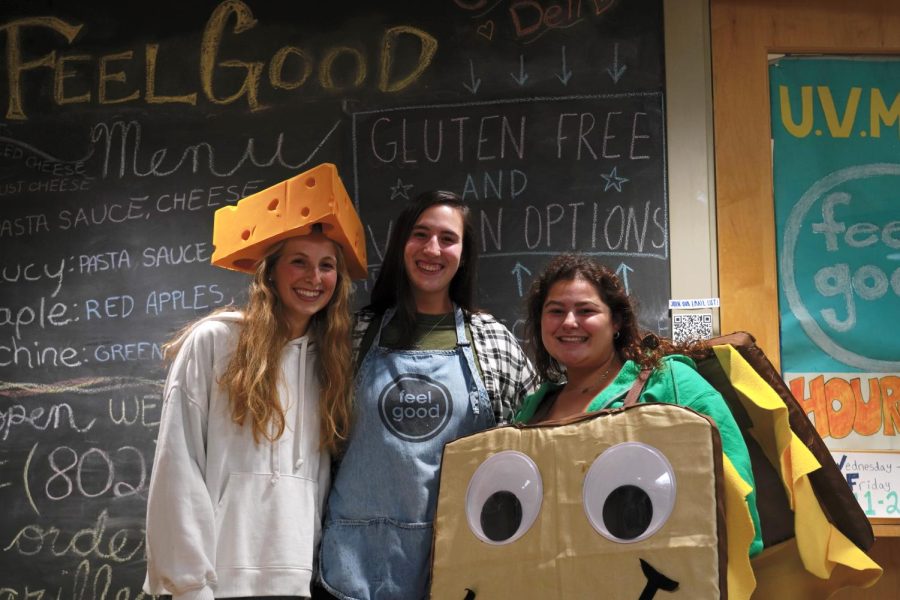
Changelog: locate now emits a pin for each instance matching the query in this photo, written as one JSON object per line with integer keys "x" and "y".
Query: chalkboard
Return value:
{"x": 126, "y": 125}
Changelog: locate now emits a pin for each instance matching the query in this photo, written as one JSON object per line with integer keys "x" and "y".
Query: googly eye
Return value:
{"x": 504, "y": 497}
{"x": 629, "y": 492}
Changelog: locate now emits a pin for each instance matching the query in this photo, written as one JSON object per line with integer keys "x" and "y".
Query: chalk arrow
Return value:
{"x": 566, "y": 74}
{"x": 476, "y": 82}
{"x": 517, "y": 271}
{"x": 615, "y": 70}
{"x": 523, "y": 76}
{"x": 622, "y": 272}
{"x": 662, "y": 324}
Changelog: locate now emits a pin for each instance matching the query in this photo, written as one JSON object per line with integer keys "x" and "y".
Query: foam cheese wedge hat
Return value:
{"x": 242, "y": 233}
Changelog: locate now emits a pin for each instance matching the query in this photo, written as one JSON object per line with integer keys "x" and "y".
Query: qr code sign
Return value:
{"x": 691, "y": 327}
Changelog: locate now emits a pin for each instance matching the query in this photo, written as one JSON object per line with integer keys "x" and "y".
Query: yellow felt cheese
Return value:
{"x": 242, "y": 233}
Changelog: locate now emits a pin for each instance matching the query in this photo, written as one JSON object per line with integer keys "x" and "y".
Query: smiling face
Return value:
{"x": 577, "y": 327}
{"x": 432, "y": 255}
{"x": 617, "y": 504}
{"x": 304, "y": 277}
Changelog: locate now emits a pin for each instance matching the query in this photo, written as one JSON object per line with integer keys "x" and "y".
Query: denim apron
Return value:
{"x": 376, "y": 540}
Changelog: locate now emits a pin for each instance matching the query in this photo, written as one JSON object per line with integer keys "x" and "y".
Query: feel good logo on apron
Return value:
{"x": 415, "y": 408}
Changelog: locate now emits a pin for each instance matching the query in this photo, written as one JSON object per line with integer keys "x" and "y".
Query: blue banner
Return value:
{"x": 836, "y": 169}
{"x": 836, "y": 132}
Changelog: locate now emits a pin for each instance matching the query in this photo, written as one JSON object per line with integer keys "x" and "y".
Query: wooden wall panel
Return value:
{"x": 744, "y": 34}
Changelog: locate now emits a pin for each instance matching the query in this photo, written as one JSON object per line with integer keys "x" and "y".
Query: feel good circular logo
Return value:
{"x": 415, "y": 408}
{"x": 839, "y": 265}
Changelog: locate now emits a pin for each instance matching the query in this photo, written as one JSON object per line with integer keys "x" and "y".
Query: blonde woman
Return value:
{"x": 255, "y": 402}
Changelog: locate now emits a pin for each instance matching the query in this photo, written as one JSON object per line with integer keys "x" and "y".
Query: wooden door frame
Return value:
{"x": 744, "y": 34}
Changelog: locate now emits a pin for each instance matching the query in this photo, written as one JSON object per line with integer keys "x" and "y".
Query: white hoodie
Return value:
{"x": 228, "y": 517}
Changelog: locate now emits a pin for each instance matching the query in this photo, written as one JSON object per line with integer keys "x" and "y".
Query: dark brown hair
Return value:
{"x": 644, "y": 348}
{"x": 392, "y": 286}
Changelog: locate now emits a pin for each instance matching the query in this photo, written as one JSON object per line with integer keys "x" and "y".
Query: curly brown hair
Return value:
{"x": 644, "y": 348}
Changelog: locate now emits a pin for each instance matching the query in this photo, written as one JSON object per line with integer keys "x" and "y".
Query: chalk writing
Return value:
{"x": 39, "y": 418}
{"x": 103, "y": 261}
{"x": 44, "y": 186}
{"x": 95, "y": 541}
{"x": 474, "y": 82}
{"x": 134, "y": 409}
{"x": 83, "y": 587}
{"x": 111, "y": 307}
{"x": 157, "y": 302}
{"x": 184, "y": 254}
{"x": 128, "y": 352}
{"x": 18, "y": 353}
{"x": 497, "y": 185}
{"x": 530, "y": 20}
{"x": 622, "y": 272}
{"x": 198, "y": 297}
{"x": 109, "y": 212}
{"x": 112, "y": 73}
{"x": 44, "y": 312}
{"x": 868, "y": 282}
{"x": 150, "y": 257}
{"x": 205, "y": 198}
{"x": 80, "y": 386}
{"x": 120, "y": 158}
{"x": 24, "y": 226}
{"x": 518, "y": 271}
{"x": 615, "y": 70}
{"x": 603, "y": 144}
{"x": 485, "y": 138}
{"x": 837, "y": 282}
{"x": 92, "y": 473}
{"x": 565, "y": 73}
{"x": 31, "y": 272}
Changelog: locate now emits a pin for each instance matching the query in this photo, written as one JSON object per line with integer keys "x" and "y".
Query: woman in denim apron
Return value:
{"x": 429, "y": 370}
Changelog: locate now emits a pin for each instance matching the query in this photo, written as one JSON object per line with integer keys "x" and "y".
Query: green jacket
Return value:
{"x": 676, "y": 381}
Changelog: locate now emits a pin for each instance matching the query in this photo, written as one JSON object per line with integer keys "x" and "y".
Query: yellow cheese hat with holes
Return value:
{"x": 242, "y": 233}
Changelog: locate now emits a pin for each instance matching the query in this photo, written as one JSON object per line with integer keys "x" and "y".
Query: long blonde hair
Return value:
{"x": 251, "y": 376}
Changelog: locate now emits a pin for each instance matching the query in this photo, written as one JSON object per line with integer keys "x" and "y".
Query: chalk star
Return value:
{"x": 400, "y": 189}
{"x": 612, "y": 179}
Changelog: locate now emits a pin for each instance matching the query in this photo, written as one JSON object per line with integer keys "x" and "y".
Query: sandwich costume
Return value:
{"x": 634, "y": 502}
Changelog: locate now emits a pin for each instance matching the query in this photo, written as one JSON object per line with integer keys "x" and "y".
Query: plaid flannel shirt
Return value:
{"x": 507, "y": 372}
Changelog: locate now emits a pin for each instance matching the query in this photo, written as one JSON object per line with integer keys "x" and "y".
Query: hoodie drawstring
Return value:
{"x": 301, "y": 404}
{"x": 300, "y": 400}
{"x": 273, "y": 459}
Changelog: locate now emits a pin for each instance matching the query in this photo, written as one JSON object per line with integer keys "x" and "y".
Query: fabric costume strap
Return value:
{"x": 637, "y": 387}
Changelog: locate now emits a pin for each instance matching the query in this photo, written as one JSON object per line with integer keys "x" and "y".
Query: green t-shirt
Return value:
{"x": 433, "y": 332}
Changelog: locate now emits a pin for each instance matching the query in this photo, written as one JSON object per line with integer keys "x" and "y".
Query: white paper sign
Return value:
{"x": 874, "y": 478}
{"x": 693, "y": 303}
